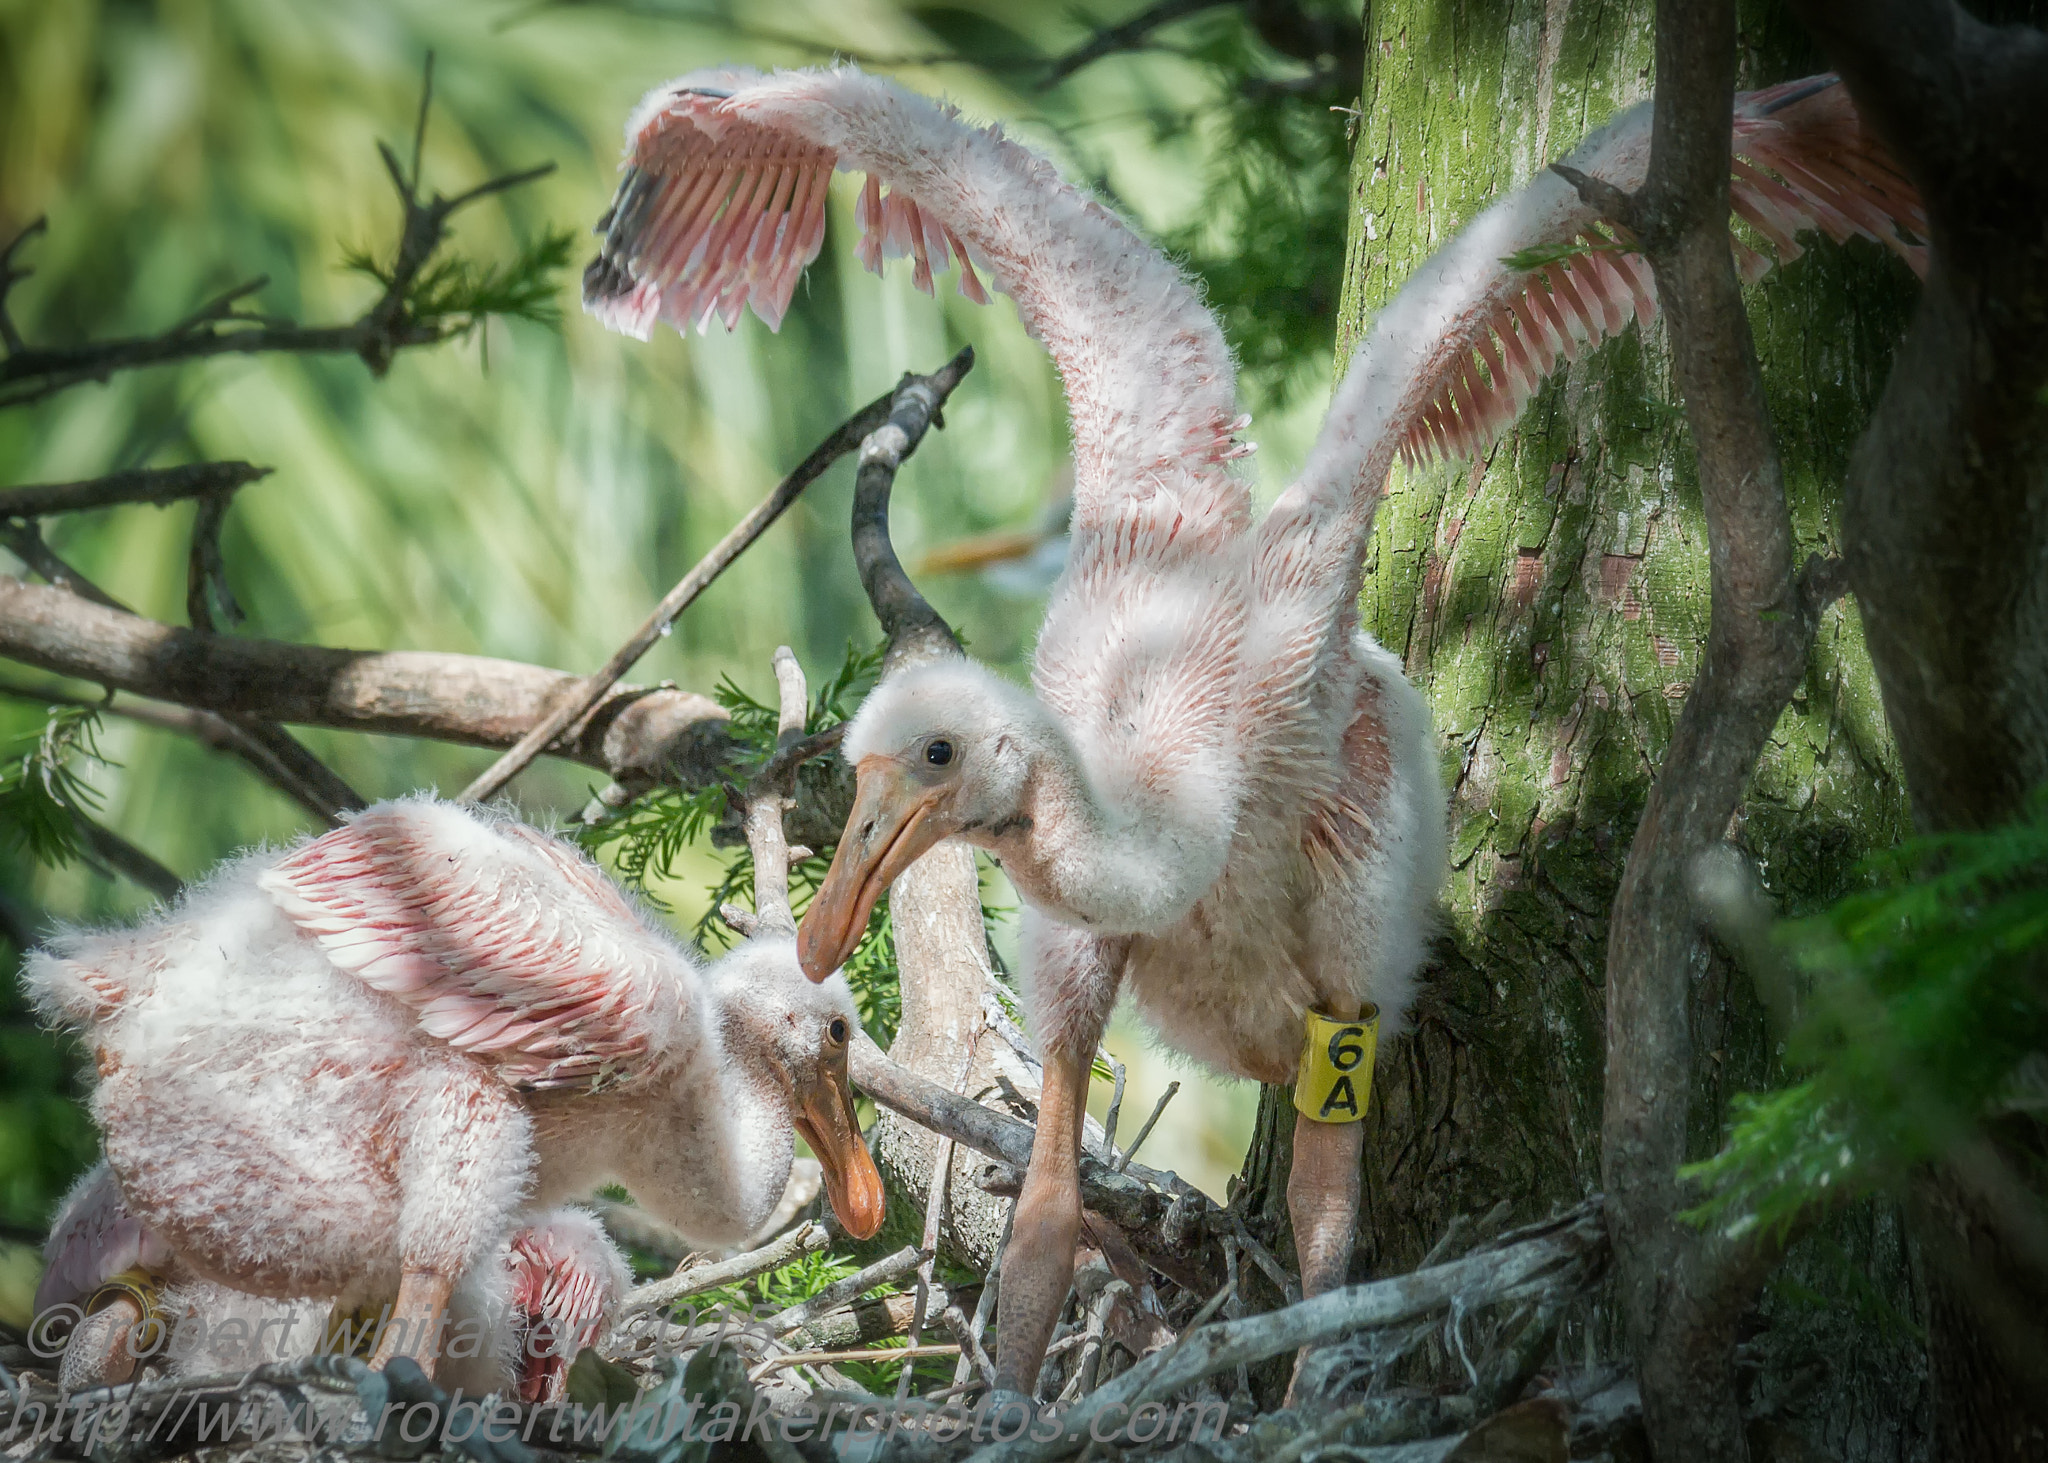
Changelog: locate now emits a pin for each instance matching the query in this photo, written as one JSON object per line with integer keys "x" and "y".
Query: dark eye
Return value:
{"x": 837, "y": 1030}
{"x": 938, "y": 752}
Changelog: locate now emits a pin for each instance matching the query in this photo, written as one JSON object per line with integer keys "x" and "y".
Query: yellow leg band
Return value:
{"x": 1335, "y": 1081}
{"x": 139, "y": 1285}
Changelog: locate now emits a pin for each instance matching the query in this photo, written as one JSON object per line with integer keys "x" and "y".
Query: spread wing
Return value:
{"x": 1540, "y": 278}
{"x": 723, "y": 204}
{"x": 93, "y": 1239}
{"x": 508, "y": 944}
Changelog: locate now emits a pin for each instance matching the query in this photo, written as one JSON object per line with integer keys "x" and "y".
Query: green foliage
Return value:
{"x": 44, "y": 799}
{"x": 456, "y": 294}
{"x": 1268, "y": 237}
{"x": 1537, "y": 255}
{"x": 645, "y": 839}
{"x": 1927, "y": 998}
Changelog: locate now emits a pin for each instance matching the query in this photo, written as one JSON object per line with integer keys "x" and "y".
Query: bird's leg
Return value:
{"x": 97, "y": 1354}
{"x": 1322, "y": 1196}
{"x": 1322, "y": 1200}
{"x": 416, "y": 1319}
{"x": 462, "y": 1158}
{"x": 1038, "y": 1267}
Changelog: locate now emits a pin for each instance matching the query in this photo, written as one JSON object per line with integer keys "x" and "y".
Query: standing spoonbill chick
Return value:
{"x": 1220, "y": 796}
{"x": 356, "y": 1068}
{"x": 515, "y": 1322}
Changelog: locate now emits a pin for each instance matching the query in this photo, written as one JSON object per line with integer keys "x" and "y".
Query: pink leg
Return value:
{"x": 462, "y": 1159}
{"x": 1322, "y": 1198}
{"x": 97, "y": 1354}
{"x": 416, "y": 1318}
{"x": 1038, "y": 1267}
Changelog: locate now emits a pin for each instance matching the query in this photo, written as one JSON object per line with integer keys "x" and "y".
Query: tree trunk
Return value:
{"x": 1552, "y": 602}
{"x": 1946, "y": 533}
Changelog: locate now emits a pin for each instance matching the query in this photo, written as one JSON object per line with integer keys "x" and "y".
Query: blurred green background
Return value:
{"x": 529, "y": 492}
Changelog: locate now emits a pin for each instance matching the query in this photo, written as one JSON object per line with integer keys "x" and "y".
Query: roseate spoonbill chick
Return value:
{"x": 348, "y": 1070}
{"x": 514, "y": 1324}
{"x": 1220, "y": 796}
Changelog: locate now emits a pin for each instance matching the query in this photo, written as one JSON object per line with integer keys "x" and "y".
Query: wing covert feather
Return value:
{"x": 506, "y": 943}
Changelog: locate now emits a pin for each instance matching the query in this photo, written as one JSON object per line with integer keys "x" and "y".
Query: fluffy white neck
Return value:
{"x": 1109, "y": 867}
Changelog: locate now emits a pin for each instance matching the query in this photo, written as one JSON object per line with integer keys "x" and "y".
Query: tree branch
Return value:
{"x": 1681, "y": 1291}
{"x": 1129, "y": 35}
{"x": 577, "y": 703}
{"x": 322, "y": 794}
{"x": 10, "y": 275}
{"x": 1559, "y": 1255}
{"x": 157, "y": 485}
{"x": 915, "y": 630}
{"x": 636, "y": 734}
{"x": 124, "y": 858}
{"x": 1945, "y": 528}
{"x": 30, "y": 373}
{"x": 1134, "y": 1207}
{"x": 25, "y": 542}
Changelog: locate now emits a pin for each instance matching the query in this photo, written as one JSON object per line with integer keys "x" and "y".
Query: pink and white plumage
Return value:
{"x": 548, "y": 1293}
{"x": 343, "y": 1071}
{"x": 1223, "y": 797}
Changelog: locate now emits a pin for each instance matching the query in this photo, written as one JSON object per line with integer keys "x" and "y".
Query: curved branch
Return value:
{"x": 916, "y": 631}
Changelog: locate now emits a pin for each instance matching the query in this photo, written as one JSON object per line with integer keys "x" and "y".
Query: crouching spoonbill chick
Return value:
{"x": 356, "y": 1068}
{"x": 514, "y": 1324}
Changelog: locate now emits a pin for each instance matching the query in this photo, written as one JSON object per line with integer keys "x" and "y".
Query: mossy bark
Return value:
{"x": 1552, "y": 602}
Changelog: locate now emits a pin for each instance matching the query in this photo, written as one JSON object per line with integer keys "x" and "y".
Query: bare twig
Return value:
{"x": 934, "y": 1213}
{"x": 1132, "y": 1206}
{"x": 1560, "y": 1255}
{"x": 10, "y": 276}
{"x": 124, "y": 858}
{"x": 30, "y": 373}
{"x": 272, "y": 751}
{"x": 25, "y": 542}
{"x": 215, "y": 732}
{"x": 1116, "y": 1107}
{"x": 1130, "y": 35}
{"x": 765, "y": 798}
{"x": 915, "y": 630}
{"x": 912, "y": 1352}
{"x": 1123, "y": 1159}
{"x": 695, "y": 1279}
{"x": 157, "y": 485}
{"x": 983, "y": 1308}
{"x": 575, "y": 706}
{"x": 206, "y": 572}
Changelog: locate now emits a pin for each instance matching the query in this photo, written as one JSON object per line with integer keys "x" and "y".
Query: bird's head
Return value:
{"x": 798, "y": 1034}
{"x": 938, "y": 750}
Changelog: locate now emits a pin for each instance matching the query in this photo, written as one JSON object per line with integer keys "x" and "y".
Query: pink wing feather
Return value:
{"x": 566, "y": 1276}
{"x": 1802, "y": 161}
{"x": 93, "y": 1239}
{"x": 1455, "y": 356}
{"x": 722, "y": 206}
{"x": 506, "y": 943}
